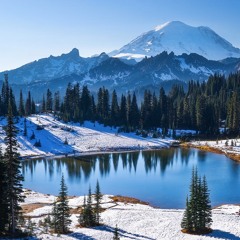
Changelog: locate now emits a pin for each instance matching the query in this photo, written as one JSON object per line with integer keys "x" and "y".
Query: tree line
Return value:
{"x": 203, "y": 107}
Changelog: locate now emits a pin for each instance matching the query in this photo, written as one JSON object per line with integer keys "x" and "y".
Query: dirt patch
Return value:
{"x": 31, "y": 207}
{"x": 128, "y": 200}
{"x": 77, "y": 210}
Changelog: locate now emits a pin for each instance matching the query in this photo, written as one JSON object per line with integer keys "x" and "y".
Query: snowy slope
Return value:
{"x": 179, "y": 38}
{"x": 135, "y": 221}
{"x": 81, "y": 139}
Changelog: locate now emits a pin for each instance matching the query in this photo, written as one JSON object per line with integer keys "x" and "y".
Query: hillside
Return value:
{"x": 87, "y": 139}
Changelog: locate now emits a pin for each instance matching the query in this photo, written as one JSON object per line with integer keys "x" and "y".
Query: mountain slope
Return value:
{"x": 50, "y": 68}
{"x": 179, "y": 38}
{"x": 162, "y": 70}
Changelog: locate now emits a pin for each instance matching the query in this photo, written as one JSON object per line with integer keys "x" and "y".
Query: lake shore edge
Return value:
{"x": 235, "y": 156}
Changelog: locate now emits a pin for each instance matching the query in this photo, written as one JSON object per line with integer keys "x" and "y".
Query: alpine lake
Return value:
{"x": 160, "y": 177}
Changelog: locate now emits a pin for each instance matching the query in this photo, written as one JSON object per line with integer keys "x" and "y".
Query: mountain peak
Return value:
{"x": 174, "y": 24}
{"x": 74, "y": 52}
{"x": 179, "y": 38}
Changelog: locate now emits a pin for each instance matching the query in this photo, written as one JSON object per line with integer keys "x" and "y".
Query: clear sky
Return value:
{"x": 33, "y": 29}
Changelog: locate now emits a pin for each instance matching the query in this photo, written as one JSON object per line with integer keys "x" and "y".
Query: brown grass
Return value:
{"x": 203, "y": 148}
{"x": 31, "y": 207}
{"x": 233, "y": 156}
{"x": 77, "y": 210}
{"x": 119, "y": 198}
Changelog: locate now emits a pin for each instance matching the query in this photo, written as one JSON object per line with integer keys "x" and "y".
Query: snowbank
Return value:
{"x": 136, "y": 221}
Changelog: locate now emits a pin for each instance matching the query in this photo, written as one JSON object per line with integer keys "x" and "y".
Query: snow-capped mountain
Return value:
{"x": 179, "y": 38}
{"x": 151, "y": 73}
{"x": 52, "y": 67}
{"x": 173, "y": 52}
{"x": 154, "y": 71}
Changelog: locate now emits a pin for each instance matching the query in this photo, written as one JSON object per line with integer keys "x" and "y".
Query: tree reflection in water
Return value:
{"x": 160, "y": 177}
{"x": 84, "y": 166}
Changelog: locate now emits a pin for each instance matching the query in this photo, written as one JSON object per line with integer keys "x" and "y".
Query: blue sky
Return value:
{"x": 32, "y": 29}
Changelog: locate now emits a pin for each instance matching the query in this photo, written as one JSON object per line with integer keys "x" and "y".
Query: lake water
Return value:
{"x": 159, "y": 177}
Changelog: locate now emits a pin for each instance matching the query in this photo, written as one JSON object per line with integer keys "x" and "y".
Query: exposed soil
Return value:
{"x": 31, "y": 207}
{"x": 123, "y": 199}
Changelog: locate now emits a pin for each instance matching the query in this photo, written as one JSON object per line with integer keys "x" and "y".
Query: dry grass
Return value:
{"x": 31, "y": 207}
{"x": 203, "y": 148}
{"x": 210, "y": 149}
{"x": 234, "y": 156}
{"x": 127, "y": 200}
{"x": 77, "y": 210}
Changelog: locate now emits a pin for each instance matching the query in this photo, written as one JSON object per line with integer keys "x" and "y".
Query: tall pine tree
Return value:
{"x": 197, "y": 217}
{"x": 62, "y": 211}
{"x": 3, "y": 200}
{"x": 98, "y": 198}
{"x": 13, "y": 171}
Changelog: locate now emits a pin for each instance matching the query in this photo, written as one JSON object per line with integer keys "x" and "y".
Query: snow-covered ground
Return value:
{"x": 229, "y": 147}
{"x": 88, "y": 138}
{"x": 136, "y": 221}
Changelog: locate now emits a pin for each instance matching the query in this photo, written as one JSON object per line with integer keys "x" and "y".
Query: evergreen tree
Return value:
{"x": 62, "y": 211}
{"x": 87, "y": 217}
{"x": 134, "y": 114}
{"x": 98, "y": 198}
{"x": 32, "y": 136}
{"x": 233, "y": 116}
{"x": 187, "y": 219}
{"x": 116, "y": 234}
{"x": 13, "y": 171}
{"x": 100, "y": 104}
{"x": 105, "y": 106}
{"x": 3, "y": 202}
{"x": 85, "y": 104}
{"x": 5, "y": 95}
{"x": 163, "y": 109}
{"x": 197, "y": 217}
{"x": 54, "y": 217}
{"x": 13, "y": 103}
{"x": 43, "y": 109}
{"x": 25, "y": 128}
{"x": 28, "y": 104}
{"x": 114, "y": 110}
{"x": 49, "y": 101}
{"x": 206, "y": 204}
{"x": 21, "y": 109}
{"x": 201, "y": 114}
{"x": 33, "y": 107}
{"x": 123, "y": 111}
{"x": 82, "y": 216}
{"x": 56, "y": 105}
